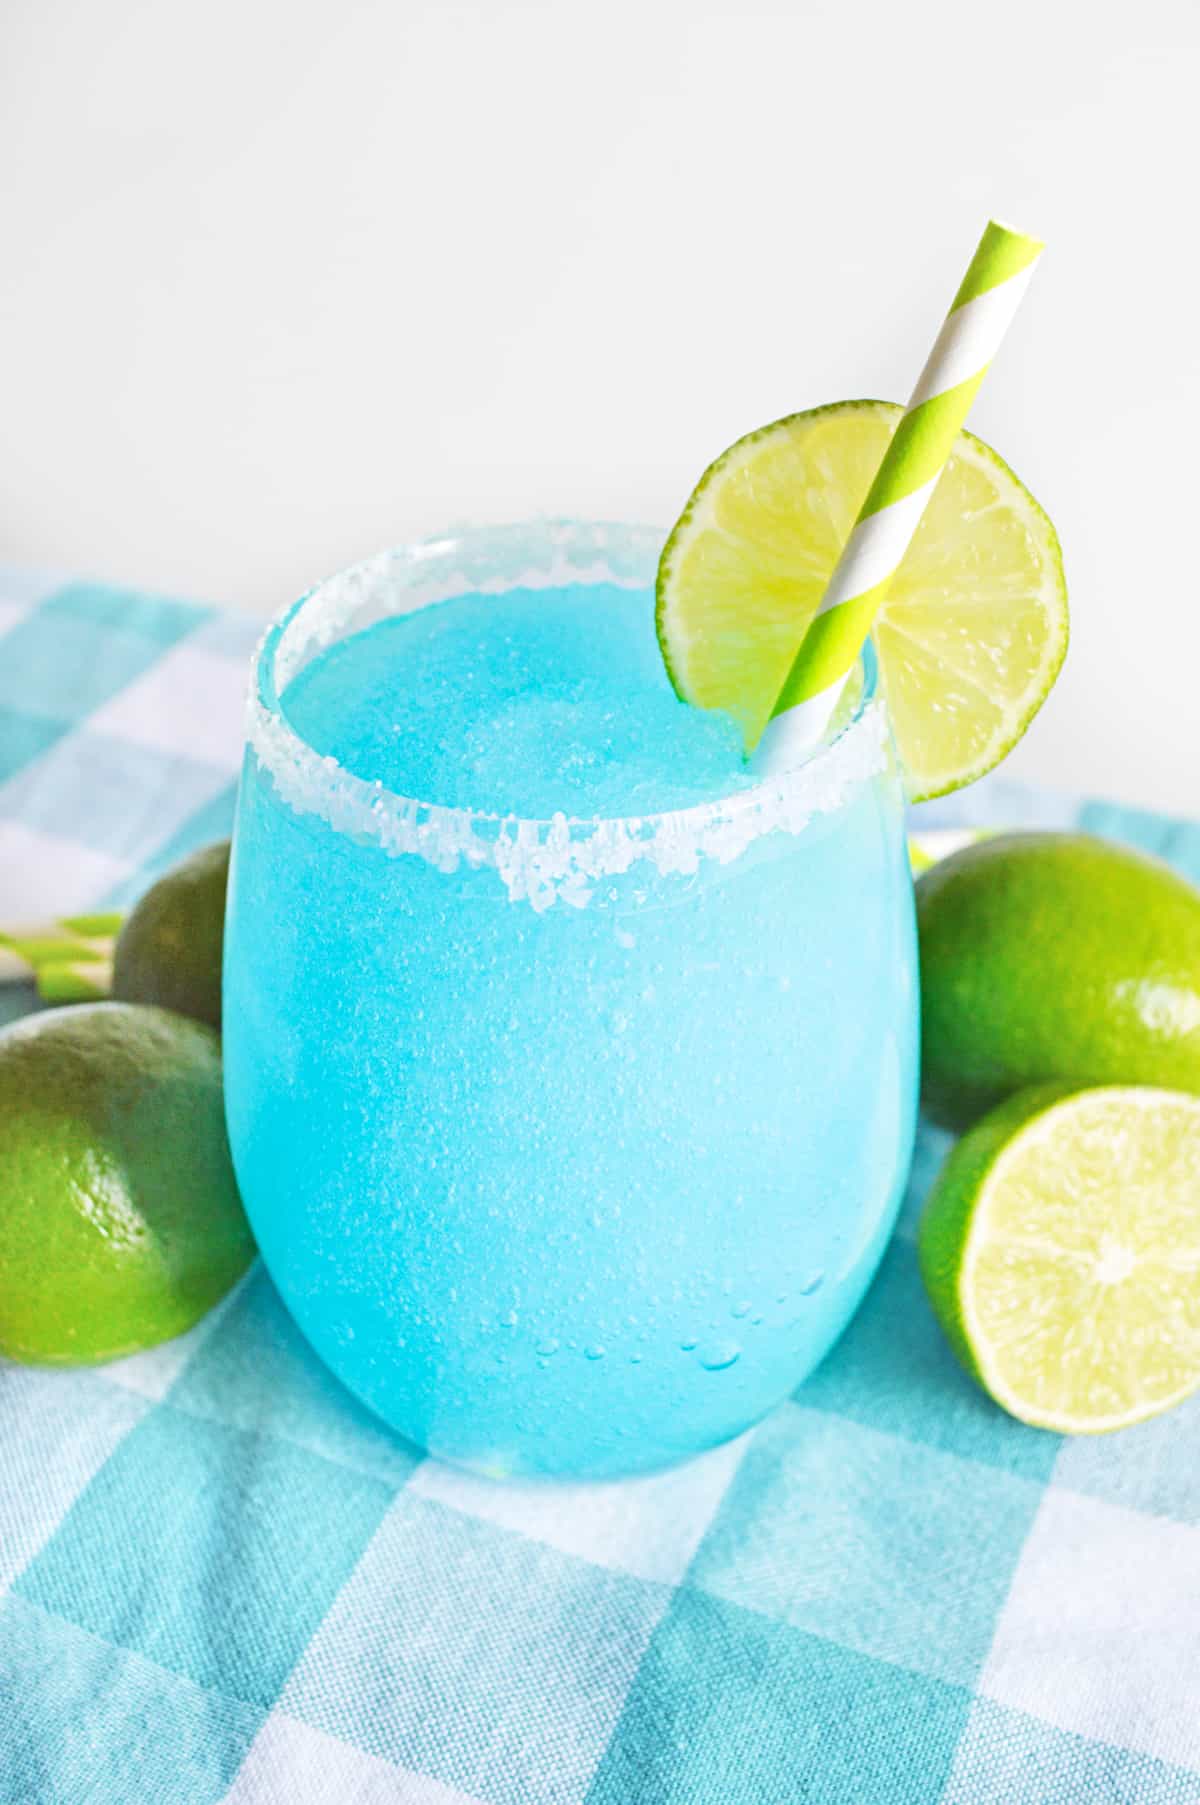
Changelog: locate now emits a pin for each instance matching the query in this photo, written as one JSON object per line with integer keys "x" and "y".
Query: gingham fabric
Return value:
{"x": 221, "y": 1580}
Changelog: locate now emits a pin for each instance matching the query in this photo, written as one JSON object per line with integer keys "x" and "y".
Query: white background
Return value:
{"x": 288, "y": 280}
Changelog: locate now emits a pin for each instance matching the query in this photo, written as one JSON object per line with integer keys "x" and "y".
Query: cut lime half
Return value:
{"x": 1060, "y": 1247}
{"x": 974, "y": 628}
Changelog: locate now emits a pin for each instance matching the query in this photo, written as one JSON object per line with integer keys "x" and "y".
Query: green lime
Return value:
{"x": 1060, "y": 1247}
{"x": 120, "y": 1221}
{"x": 974, "y": 627}
{"x": 1054, "y": 956}
{"x": 169, "y": 950}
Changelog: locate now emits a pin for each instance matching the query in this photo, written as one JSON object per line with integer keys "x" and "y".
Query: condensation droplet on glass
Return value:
{"x": 595, "y": 1352}
{"x": 686, "y": 1347}
{"x": 717, "y": 1355}
{"x": 741, "y": 1309}
{"x": 548, "y": 1346}
{"x": 812, "y": 1284}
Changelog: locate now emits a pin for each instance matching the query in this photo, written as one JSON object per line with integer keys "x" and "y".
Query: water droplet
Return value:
{"x": 635, "y": 1359}
{"x": 715, "y": 1356}
{"x": 812, "y": 1284}
{"x": 510, "y": 1319}
{"x": 782, "y": 1298}
{"x": 548, "y": 1346}
{"x": 595, "y": 1352}
{"x": 742, "y": 1309}
{"x": 687, "y": 1346}
{"x": 754, "y": 1321}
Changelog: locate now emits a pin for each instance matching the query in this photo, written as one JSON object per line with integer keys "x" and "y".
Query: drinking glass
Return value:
{"x": 571, "y": 1145}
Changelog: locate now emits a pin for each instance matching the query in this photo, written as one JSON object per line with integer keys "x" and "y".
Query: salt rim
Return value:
{"x": 539, "y": 862}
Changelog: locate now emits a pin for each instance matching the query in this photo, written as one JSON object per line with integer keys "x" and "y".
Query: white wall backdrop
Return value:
{"x": 287, "y": 280}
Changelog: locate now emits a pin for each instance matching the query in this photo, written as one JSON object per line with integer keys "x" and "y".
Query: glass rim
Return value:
{"x": 527, "y": 554}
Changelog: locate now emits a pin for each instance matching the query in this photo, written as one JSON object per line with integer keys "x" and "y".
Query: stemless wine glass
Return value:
{"x": 570, "y": 1145}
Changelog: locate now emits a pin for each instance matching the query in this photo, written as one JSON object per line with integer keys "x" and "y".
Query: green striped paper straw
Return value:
{"x": 74, "y": 980}
{"x": 69, "y": 960}
{"x": 978, "y": 319}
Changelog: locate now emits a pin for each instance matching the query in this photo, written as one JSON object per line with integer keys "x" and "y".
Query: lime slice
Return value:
{"x": 973, "y": 631}
{"x": 1060, "y": 1247}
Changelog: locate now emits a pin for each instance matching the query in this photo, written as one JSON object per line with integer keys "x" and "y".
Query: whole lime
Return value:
{"x": 120, "y": 1221}
{"x": 1048, "y": 956}
{"x": 169, "y": 950}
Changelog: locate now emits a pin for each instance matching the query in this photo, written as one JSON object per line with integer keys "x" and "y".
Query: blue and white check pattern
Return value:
{"x": 221, "y": 1580}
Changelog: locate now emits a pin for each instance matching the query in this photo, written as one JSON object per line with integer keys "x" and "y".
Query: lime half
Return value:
{"x": 1060, "y": 1247}
{"x": 974, "y": 628}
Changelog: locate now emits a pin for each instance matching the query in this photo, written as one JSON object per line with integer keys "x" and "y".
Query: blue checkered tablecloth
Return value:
{"x": 221, "y": 1580}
